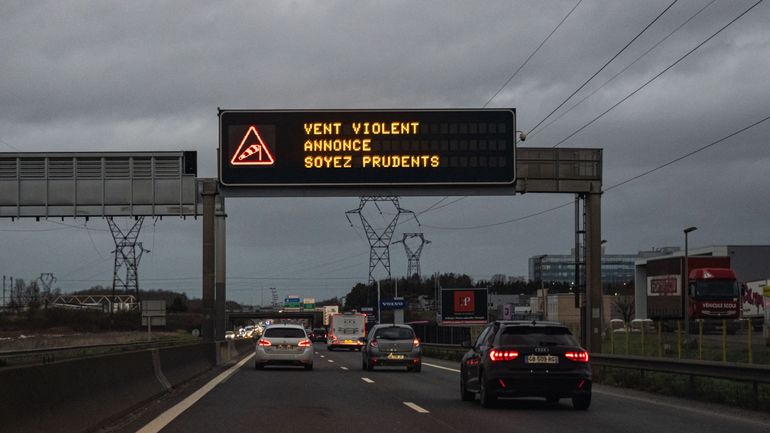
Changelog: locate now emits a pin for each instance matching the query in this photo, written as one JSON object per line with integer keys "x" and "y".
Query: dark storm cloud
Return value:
{"x": 86, "y": 76}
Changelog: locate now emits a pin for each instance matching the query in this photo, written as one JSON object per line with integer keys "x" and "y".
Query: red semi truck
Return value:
{"x": 714, "y": 293}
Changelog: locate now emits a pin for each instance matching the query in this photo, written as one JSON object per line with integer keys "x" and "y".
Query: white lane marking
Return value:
{"x": 418, "y": 409}
{"x": 344, "y": 368}
{"x": 323, "y": 356}
{"x": 440, "y": 367}
{"x": 367, "y": 380}
{"x": 330, "y": 360}
{"x": 316, "y": 353}
{"x": 166, "y": 417}
{"x": 680, "y": 407}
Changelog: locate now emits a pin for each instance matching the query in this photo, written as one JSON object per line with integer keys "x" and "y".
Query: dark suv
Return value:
{"x": 318, "y": 334}
{"x": 526, "y": 359}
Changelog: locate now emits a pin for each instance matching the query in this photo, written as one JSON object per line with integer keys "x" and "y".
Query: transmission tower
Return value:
{"x": 46, "y": 281}
{"x": 128, "y": 253}
{"x": 379, "y": 242}
{"x": 413, "y": 265}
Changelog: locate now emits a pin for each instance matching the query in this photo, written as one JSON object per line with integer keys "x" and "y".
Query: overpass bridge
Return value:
{"x": 313, "y": 319}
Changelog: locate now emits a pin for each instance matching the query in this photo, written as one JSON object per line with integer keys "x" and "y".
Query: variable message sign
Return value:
{"x": 367, "y": 148}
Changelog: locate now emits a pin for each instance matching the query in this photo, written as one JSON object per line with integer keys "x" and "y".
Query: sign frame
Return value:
{"x": 231, "y": 187}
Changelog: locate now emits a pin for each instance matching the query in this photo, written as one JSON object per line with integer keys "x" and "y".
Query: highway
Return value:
{"x": 338, "y": 396}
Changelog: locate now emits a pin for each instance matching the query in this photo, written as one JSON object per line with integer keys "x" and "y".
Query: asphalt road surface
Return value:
{"x": 338, "y": 396}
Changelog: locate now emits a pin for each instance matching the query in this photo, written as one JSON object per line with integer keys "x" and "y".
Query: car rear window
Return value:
{"x": 319, "y": 330}
{"x": 536, "y": 336}
{"x": 284, "y": 333}
{"x": 395, "y": 333}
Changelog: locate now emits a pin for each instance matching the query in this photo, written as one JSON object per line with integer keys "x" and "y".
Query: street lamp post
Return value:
{"x": 542, "y": 286}
{"x": 685, "y": 283}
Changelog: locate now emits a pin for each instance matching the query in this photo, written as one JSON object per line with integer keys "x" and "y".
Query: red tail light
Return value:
{"x": 416, "y": 343}
{"x": 264, "y": 343}
{"x": 304, "y": 343}
{"x": 375, "y": 343}
{"x": 496, "y": 355}
{"x": 581, "y": 356}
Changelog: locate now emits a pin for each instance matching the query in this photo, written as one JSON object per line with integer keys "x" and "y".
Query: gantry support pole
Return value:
{"x": 208, "y": 193}
{"x": 220, "y": 296}
{"x": 593, "y": 208}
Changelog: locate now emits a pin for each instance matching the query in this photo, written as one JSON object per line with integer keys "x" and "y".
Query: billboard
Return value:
{"x": 464, "y": 306}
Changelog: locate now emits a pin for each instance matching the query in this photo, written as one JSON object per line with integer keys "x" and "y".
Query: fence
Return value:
{"x": 433, "y": 333}
{"x": 736, "y": 341}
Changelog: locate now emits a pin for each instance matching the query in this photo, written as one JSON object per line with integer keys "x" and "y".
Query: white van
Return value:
{"x": 346, "y": 330}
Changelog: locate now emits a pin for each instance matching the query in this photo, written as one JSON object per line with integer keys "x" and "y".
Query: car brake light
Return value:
{"x": 581, "y": 356}
{"x": 375, "y": 343}
{"x": 416, "y": 343}
{"x": 304, "y": 343}
{"x": 502, "y": 355}
{"x": 264, "y": 343}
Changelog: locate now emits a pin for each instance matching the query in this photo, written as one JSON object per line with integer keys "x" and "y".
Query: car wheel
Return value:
{"x": 369, "y": 365}
{"x": 465, "y": 395}
{"x": 258, "y": 366}
{"x": 363, "y": 363}
{"x": 552, "y": 399}
{"x": 309, "y": 366}
{"x": 330, "y": 348}
{"x": 417, "y": 368}
{"x": 581, "y": 402}
{"x": 487, "y": 397}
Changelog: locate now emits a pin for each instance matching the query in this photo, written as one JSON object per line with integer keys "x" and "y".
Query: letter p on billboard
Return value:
{"x": 464, "y": 302}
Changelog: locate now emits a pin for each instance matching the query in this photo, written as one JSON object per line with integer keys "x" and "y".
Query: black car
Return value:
{"x": 526, "y": 359}
{"x": 318, "y": 334}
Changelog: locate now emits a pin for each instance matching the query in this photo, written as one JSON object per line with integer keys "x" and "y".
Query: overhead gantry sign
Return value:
{"x": 366, "y": 148}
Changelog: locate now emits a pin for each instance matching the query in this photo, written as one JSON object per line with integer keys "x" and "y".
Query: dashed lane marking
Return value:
{"x": 367, "y": 380}
{"x": 440, "y": 367}
{"x": 344, "y": 368}
{"x": 416, "y": 408}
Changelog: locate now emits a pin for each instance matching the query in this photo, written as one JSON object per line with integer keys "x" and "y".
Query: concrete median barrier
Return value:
{"x": 82, "y": 394}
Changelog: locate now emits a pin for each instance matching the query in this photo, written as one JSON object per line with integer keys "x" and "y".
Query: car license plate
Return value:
{"x": 394, "y": 356}
{"x": 347, "y": 342}
{"x": 285, "y": 346}
{"x": 542, "y": 359}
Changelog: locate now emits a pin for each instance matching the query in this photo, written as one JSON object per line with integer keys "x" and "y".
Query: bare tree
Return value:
{"x": 624, "y": 305}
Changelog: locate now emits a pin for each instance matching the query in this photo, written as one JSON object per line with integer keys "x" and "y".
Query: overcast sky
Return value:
{"x": 149, "y": 76}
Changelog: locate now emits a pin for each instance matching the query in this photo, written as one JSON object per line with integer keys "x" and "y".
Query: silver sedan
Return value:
{"x": 284, "y": 345}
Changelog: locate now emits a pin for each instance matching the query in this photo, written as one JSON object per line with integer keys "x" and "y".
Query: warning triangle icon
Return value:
{"x": 253, "y": 150}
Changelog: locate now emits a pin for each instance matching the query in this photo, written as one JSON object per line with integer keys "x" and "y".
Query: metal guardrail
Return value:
{"x": 712, "y": 369}
{"x": 715, "y": 370}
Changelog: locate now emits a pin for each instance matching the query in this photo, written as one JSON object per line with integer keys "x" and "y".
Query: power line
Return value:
{"x": 713, "y": 143}
{"x": 616, "y": 185}
{"x": 658, "y": 75}
{"x": 579, "y": 88}
{"x": 532, "y": 54}
{"x": 500, "y": 90}
{"x": 605, "y": 65}
{"x": 563, "y": 113}
{"x": 483, "y": 226}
